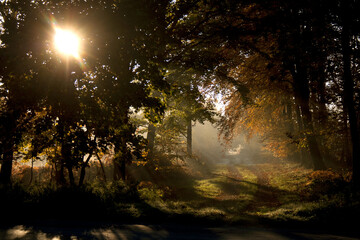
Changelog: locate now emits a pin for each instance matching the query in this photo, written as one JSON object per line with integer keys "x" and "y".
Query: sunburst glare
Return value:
{"x": 67, "y": 42}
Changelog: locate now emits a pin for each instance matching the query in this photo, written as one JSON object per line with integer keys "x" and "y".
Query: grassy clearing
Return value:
{"x": 275, "y": 192}
{"x": 208, "y": 188}
{"x": 306, "y": 196}
{"x": 288, "y": 177}
{"x": 218, "y": 195}
{"x": 271, "y": 192}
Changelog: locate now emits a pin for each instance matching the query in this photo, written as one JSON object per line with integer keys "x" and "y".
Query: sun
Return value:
{"x": 67, "y": 42}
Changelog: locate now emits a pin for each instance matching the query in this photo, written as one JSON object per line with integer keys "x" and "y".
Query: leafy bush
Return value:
{"x": 149, "y": 191}
{"x": 325, "y": 182}
{"x": 87, "y": 202}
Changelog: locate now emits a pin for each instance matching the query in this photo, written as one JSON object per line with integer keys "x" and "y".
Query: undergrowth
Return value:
{"x": 265, "y": 192}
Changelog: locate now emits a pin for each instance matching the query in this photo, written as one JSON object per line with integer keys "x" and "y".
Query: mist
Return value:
{"x": 210, "y": 148}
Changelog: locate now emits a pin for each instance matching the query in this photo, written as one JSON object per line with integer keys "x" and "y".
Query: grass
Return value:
{"x": 280, "y": 193}
{"x": 268, "y": 192}
{"x": 216, "y": 195}
{"x": 208, "y": 188}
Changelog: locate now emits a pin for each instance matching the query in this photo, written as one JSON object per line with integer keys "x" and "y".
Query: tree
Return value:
{"x": 346, "y": 16}
{"x": 288, "y": 37}
{"x": 19, "y": 92}
{"x": 128, "y": 66}
{"x": 187, "y": 104}
{"x": 85, "y": 106}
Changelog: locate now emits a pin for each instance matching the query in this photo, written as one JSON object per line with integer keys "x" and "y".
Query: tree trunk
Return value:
{"x": 323, "y": 113}
{"x": 349, "y": 92}
{"x": 31, "y": 171}
{"x": 116, "y": 163}
{"x": 123, "y": 170}
{"x": 6, "y": 167}
{"x": 302, "y": 96}
{"x": 71, "y": 176}
{"x": 83, "y": 170}
{"x": 59, "y": 174}
{"x": 290, "y": 129}
{"x": 8, "y": 147}
{"x": 151, "y": 138}
{"x": 119, "y": 169}
{"x": 82, "y": 175}
{"x": 120, "y": 162}
{"x": 346, "y": 152}
{"x": 101, "y": 165}
{"x": 66, "y": 160}
{"x": 303, "y": 153}
{"x": 189, "y": 137}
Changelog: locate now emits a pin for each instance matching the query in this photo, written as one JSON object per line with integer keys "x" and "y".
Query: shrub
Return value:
{"x": 325, "y": 182}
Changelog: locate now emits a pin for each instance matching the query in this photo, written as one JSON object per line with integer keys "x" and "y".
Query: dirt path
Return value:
{"x": 234, "y": 173}
{"x": 230, "y": 189}
{"x": 265, "y": 196}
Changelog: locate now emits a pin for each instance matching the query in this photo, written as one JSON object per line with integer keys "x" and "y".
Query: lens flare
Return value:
{"x": 67, "y": 42}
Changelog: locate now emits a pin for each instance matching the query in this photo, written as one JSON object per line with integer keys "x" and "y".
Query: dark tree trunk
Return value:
{"x": 82, "y": 175}
{"x": 346, "y": 152}
{"x": 71, "y": 176}
{"x": 116, "y": 163}
{"x": 83, "y": 170}
{"x": 290, "y": 125}
{"x": 303, "y": 153}
{"x": 119, "y": 169}
{"x": 101, "y": 165}
{"x": 31, "y": 171}
{"x": 289, "y": 116}
{"x": 302, "y": 96}
{"x": 349, "y": 92}
{"x": 60, "y": 168}
{"x": 6, "y": 167}
{"x": 189, "y": 136}
{"x": 120, "y": 162}
{"x": 66, "y": 161}
{"x": 8, "y": 147}
{"x": 122, "y": 154}
{"x": 124, "y": 159}
{"x": 151, "y": 138}
{"x": 123, "y": 170}
{"x": 323, "y": 114}
{"x": 59, "y": 174}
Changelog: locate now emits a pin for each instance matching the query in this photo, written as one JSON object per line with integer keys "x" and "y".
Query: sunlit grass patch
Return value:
{"x": 208, "y": 188}
{"x": 151, "y": 193}
{"x": 210, "y": 212}
{"x": 177, "y": 207}
{"x": 221, "y": 169}
{"x": 197, "y": 208}
{"x": 247, "y": 175}
{"x": 248, "y": 185}
{"x": 290, "y": 177}
{"x": 295, "y": 211}
{"x": 312, "y": 210}
{"x": 127, "y": 209}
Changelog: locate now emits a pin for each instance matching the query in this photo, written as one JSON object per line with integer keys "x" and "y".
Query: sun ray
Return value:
{"x": 67, "y": 42}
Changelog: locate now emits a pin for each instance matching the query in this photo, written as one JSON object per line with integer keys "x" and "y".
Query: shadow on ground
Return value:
{"x": 56, "y": 231}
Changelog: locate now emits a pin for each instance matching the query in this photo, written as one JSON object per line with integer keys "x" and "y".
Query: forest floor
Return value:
{"x": 270, "y": 192}
{"x": 274, "y": 199}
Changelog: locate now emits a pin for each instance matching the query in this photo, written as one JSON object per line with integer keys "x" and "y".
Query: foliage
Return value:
{"x": 79, "y": 105}
{"x": 326, "y": 182}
